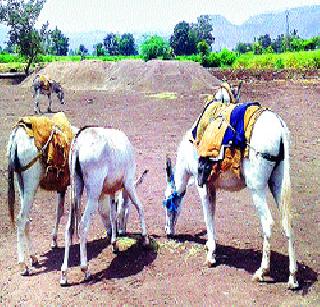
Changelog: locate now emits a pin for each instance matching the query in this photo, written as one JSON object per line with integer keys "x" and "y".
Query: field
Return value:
{"x": 170, "y": 271}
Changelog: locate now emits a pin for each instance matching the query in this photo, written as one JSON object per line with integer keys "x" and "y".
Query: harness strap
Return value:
{"x": 39, "y": 155}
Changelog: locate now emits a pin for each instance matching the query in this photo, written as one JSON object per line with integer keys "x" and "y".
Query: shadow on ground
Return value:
{"x": 250, "y": 260}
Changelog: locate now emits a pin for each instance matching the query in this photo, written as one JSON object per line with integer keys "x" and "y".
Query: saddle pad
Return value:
{"x": 56, "y": 154}
{"x": 44, "y": 81}
{"x": 223, "y": 134}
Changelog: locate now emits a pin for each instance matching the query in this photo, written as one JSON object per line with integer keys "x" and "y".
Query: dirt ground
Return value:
{"x": 171, "y": 271}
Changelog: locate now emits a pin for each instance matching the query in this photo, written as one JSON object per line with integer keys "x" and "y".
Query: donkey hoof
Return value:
{"x": 54, "y": 245}
{"x": 49, "y": 110}
{"x": 63, "y": 279}
{"x": 293, "y": 284}
{"x": 211, "y": 263}
{"x": 86, "y": 273}
{"x": 24, "y": 270}
{"x": 146, "y": 241}
{"x": 115, "y": 247}
{"x": 34, "y": 260}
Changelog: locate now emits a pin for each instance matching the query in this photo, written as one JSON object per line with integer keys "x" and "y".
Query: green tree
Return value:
{"x": 154, "y": 47}
{"x": 83, "y": 51}
{"x": 99, "y": 50}
{"x": 59, "y": 43}
{"x": 111, "y": 44}
{"x": 184, "y": 39}
{"x": 204, "y": 28}
{"x": 20, "y": 16}
{"x": 126, "y": 45}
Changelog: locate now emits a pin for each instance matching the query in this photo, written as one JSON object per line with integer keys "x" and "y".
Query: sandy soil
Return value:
{"x": 171, "y": 271}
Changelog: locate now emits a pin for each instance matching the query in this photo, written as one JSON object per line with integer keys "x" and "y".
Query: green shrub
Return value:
{"x": 155, "y": 47}
{"x": 227, "y": 57}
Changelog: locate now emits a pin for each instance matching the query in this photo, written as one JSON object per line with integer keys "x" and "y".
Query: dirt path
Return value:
{"x": 172, "y": 272}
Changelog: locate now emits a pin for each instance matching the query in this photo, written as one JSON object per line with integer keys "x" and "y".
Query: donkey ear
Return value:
{"x": 239, "y": 91}
{"x": 168, "y": 168}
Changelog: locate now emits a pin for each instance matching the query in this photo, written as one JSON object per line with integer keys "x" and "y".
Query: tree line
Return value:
{"x": 282, "y": 43}
{"x": 187, "y": 39}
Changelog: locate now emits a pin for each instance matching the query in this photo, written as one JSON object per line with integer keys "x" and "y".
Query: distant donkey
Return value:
{"x": 43, "y": 85}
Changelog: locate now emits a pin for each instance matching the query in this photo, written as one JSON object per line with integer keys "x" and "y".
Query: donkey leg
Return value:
{"x": 275, "y": 186}
{"x": 208, "y": 199}
{"x": 134, "y": 198}
{"x": 59, "y": 213}
{"x": 113, "y": 220}
{"x": 84, "y": 226}
{"x": 22, "y": 218}
{"x": 30, "y": 250}
{"x": 123, "y": 209}
{"x": 49, "y": 103}
{"x": 104, "y": 211}
{"x": 260, "y": 201}
{"x": 36, "y": 97}
{"x": 67, "y": 243}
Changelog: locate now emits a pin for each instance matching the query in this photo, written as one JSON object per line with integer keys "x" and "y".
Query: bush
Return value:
{"x": 155, "y": 47}
{"x": 227, "y": 57}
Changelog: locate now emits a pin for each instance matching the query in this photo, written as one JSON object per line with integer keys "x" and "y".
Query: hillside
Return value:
{"x": 304, "y": 19}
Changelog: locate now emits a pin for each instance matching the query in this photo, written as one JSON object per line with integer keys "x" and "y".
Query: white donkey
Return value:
{"x": 24, "y": 160}
{"x": 267, "y": 165}
{"x": 51, "y": 87}
{"x": 101, "y": 160}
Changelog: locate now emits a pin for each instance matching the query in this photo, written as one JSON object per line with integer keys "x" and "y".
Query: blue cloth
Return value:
{"x": 237, "y": 135}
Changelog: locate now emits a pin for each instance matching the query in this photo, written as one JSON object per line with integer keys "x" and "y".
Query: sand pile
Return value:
{"x": 148, "y": 77}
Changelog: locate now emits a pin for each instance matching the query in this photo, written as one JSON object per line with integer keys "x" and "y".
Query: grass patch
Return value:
{"x": 163, "y": 95}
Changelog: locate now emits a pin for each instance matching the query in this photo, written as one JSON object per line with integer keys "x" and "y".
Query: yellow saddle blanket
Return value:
{"x": 52, "y": 136}
{"x": 44, "y": 81}
{"x": 211, "y": 136}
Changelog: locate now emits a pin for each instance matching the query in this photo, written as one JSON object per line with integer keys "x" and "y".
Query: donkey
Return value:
{"x": 267, "y": 165}
{"x": 101, "y": 160}
{"x": 24, "y": 160}
{"x": 46, "y": 88}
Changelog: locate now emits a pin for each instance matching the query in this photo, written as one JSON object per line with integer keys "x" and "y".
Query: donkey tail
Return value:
{"x": 139, "y": 180}
{"x": 74, "y": 201}
{"x": 11, "y": 154}
{"x": 285, "y": 196}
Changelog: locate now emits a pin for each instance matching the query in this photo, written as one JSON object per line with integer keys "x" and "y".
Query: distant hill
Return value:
{"x": 304, "y": 19}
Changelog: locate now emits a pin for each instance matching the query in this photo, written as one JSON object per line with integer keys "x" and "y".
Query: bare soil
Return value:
{"x": 171, "y": 271}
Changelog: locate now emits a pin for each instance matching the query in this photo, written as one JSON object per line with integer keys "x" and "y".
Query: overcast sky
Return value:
{"x": 151, "y": 15}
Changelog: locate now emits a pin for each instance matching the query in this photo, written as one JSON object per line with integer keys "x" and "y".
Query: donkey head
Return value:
{"x": 228, "y": 93}
{"x": 57, "y": 88}
{"x": 172, "y": 200}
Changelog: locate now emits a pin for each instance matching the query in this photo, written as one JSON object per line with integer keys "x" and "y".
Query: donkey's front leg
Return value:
{"x": 36, "y": 97}
{"x": 208, "y": 199}
{"x": 49, "y": 103}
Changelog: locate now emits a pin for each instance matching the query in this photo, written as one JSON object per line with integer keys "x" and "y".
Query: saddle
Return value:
{"x": 223, "y": 133}
{"x": 52, "y": 137}
{"x": 44, "y": 82}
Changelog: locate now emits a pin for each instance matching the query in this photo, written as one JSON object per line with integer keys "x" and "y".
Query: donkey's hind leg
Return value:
{"x": 23, "y": 231}
{"x": 59, "y": 213}
{"x": 135, "y": 200}
{"x": 260, "y": 201}
{"x": 275, "y": 187}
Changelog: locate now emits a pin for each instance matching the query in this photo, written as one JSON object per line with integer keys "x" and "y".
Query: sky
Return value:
{"x": 132, "y": 16}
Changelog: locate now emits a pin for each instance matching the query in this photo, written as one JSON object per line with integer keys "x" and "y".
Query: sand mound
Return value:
{"x": 148, "y": 77}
